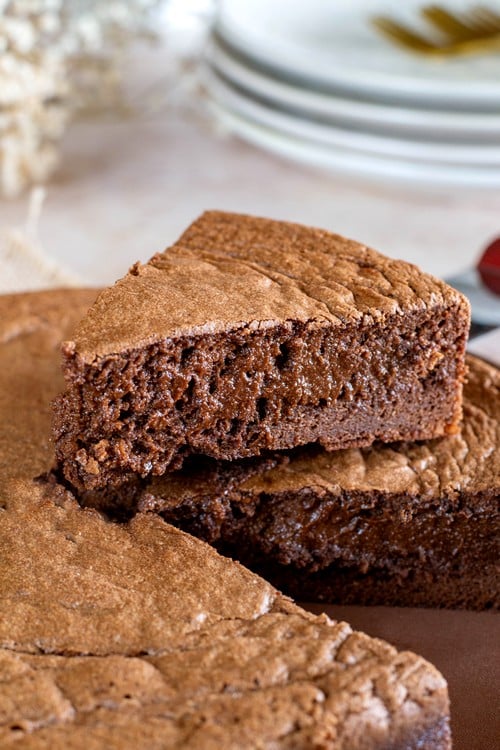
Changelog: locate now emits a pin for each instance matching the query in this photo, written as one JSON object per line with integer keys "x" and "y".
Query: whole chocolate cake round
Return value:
{"x": 133, "y": 635}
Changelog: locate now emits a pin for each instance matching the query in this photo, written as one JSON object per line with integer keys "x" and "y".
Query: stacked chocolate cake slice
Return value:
{"x": 295, "y": 399}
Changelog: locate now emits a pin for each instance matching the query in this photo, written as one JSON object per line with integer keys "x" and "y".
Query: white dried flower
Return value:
{"x": 55, "y": 56}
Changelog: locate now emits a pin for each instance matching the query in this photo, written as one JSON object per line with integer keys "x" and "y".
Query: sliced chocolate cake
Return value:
{"x": 411, "y": 524}
{"x": 137, "y": 635}
{"x": 251, "y": 335}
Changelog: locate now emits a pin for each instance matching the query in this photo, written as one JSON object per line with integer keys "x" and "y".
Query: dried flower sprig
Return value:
{"x": 55, "y": 57}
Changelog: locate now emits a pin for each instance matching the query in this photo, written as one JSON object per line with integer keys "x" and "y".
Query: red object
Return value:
{"x": 489, "y": 266}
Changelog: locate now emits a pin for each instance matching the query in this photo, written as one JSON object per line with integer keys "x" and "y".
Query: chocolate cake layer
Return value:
{"x": 413, "y": 524}
{"x": 137, "y": 635}
{"x": 250, "y": 335}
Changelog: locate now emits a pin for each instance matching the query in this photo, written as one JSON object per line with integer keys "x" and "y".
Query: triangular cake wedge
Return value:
{"x": 250, "y": 335}
{"x": 138, "y": 635}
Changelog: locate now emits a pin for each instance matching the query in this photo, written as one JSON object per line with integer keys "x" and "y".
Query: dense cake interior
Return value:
{"x": 144, "y": 411}
{"x": 410, "y": 523}
{"x": 450, "y": 584}
{"x": 353, "y": 547}
{"x": 312, "y": 529}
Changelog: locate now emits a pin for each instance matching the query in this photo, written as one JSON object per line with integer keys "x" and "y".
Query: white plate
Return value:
{"x": 355, "y": 141}
{"x": 348, "y": 162}
{"x": 378, "y": 117}
{"x": 331, "y": 43}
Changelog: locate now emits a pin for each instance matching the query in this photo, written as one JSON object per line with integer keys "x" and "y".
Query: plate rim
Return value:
{"x": 372, "y": 169}
{"x": 378, "y": 83}
{"x": 339, "y": 107}
{"x": 331, "y": 136}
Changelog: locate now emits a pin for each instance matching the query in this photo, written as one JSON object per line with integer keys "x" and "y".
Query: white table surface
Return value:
{"x": 128, "y": 186}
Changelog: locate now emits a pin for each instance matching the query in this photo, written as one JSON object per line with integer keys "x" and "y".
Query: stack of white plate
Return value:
{"x": 313, "y": 80}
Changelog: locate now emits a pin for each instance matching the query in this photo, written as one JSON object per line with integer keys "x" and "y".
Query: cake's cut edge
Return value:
{"x": 409, "y": 524}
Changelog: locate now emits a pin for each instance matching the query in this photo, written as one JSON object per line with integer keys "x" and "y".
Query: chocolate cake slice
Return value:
{"x": 251, "y": 335}
{"x": 137, "y": 635}
{"x": 411, "y": 524}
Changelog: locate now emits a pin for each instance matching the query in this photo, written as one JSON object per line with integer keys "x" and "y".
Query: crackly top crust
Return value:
{"x": 116, "y": 635}
{"x": 231, "y": 271}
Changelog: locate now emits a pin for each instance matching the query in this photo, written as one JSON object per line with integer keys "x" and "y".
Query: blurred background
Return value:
{"x": 121, "y": 121}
